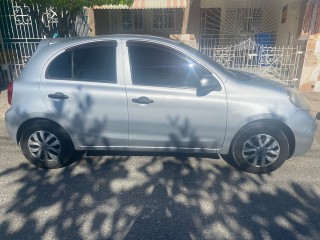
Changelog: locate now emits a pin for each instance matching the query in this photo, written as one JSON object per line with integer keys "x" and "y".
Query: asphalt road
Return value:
{"x": 157, "y": 197}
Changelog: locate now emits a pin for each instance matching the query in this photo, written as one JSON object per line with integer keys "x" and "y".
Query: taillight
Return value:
{"x": 10, "y": 91}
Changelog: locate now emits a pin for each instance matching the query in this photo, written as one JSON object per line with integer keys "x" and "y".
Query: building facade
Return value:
{"x": 269, "y": 38}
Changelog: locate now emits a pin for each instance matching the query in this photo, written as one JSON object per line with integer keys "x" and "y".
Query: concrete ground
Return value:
{"x": 3, "y": 103}
{"x": 314, "y": 100}
{"x": 158, "y": 197}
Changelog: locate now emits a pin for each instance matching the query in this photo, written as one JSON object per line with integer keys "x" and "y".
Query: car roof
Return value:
{"x": 48, "y": 48}
{"x": 111, "y": 37}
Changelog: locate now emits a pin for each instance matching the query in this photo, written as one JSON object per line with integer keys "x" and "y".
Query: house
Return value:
{"x": 268, "y": 38}
{"x": 219, "y": 28}
{"x": 159, "y": 17}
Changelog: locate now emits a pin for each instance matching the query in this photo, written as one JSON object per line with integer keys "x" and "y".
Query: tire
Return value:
{"x": 259, "y": 148}
{"x": 228, "y": 158}
{"x": 46, "y": 145}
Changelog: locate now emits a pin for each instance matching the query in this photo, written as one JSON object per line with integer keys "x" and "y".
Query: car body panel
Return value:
{"x": 175, "y": 120}
{"x": 95, "y": 112}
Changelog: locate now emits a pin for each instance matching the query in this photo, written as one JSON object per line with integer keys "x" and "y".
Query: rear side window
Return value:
{"x": 61, "y": 67}
{"x": 95, "y": 64}
{"x": 90, "y": 62}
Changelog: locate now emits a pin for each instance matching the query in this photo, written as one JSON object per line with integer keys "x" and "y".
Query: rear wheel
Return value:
{"x": 46, "y": 146}
{"x": 259, "y": 149}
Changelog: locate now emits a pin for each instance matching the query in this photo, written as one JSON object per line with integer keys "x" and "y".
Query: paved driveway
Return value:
{"x": 157, "y": 197}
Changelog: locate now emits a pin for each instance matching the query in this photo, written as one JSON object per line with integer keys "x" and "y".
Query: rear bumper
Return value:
{"x": 303, "y": 125}
{"x": 13, "y": 121}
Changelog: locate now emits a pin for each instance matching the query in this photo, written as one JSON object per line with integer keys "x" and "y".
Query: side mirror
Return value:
{"x": 208, "y": 84}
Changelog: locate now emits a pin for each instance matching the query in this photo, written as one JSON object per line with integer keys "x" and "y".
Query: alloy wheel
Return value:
{"x": 44, "y": 145}
{"x": 261, "y": 150}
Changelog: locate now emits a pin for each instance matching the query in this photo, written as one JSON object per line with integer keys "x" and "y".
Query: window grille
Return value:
{"x": 129, "y": 20}
{"x": 164, "y": 19}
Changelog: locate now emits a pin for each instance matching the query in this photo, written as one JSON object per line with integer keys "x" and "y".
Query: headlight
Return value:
{"x": 298, "y": 100}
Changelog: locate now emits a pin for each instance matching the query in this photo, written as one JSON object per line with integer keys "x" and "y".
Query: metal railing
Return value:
{"x": 277, "y": 63}
{"x": 20, "y": 34}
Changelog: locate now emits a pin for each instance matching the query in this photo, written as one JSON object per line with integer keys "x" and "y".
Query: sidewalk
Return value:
{"x": 3, "y": 103}
{"x": 314, "y": 100}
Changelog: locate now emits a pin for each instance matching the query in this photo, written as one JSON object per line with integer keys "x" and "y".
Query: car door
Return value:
{"x": 164, "y": 108}
{"x": 84, "y": 92}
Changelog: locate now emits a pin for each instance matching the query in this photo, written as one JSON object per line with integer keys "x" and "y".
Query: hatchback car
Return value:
{"x": 144, "y": 93}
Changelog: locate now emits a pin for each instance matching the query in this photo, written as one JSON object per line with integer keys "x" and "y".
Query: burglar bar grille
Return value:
{"x": 277, "y": 63}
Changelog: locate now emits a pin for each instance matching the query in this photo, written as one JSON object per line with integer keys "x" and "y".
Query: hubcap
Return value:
{"x": 44, "y": 146}
{"x": 261, "y": 150}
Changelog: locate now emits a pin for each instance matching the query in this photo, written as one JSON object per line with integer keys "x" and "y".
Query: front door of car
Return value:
{"x": 84, "y": 92}
{"x": 164, "y": 108}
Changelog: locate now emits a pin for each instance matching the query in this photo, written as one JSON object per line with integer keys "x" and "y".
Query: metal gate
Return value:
{"x": 277, "y": 63}
{"x": 243, "y": 35}
{"x": 20, "y": 34}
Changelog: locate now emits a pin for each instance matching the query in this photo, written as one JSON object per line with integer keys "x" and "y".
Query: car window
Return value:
{"x": 156, "y": 65}
{"x": 61, "y": 67}
{"x": 94, "y": 62}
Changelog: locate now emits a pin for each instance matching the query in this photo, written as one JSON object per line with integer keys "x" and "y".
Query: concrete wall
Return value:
{"x": 287, "y": 31}
{"x": 310, "y": 78}
{"x": 102, "y": 23}
{"x": 194, "y": 21}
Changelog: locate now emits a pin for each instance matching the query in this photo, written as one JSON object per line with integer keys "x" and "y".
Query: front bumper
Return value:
{"x": 303, "y": 125}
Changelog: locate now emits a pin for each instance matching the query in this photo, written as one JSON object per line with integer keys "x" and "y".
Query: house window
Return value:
{"x": 129, "y": 20}
{"x": 164, "y": 19}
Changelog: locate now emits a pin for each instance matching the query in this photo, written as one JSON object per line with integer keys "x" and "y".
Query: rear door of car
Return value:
{"x": 84, "y": 91}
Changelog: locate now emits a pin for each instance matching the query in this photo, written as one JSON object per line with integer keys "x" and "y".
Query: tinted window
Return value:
{"x": 95, "y": 64}
{"x": 91, "y": 62}
{"x": 60, "y": 67}
{"x": 156, "y": 65}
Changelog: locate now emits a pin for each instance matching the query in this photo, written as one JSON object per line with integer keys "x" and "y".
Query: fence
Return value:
{"x": 277, "y": 63}
{"x": 22, "y": 27}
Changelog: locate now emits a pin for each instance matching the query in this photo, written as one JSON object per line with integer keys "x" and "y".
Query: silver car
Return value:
{"x": 143, "y": 93}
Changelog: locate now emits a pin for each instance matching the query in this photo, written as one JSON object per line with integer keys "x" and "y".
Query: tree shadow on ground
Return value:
{"x": 155, "y": 198}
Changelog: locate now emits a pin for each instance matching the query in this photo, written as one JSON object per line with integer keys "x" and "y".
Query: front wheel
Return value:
{"x": 46, "y": 146}
{"x": 259, "y": 149}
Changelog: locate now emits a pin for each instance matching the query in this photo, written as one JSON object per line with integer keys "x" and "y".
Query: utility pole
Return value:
{"x": 186, "y": 17}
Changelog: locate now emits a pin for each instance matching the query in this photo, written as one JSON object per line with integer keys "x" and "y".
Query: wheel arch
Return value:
{"x": 286, "y": 130}
{"x": 31, "y": 121}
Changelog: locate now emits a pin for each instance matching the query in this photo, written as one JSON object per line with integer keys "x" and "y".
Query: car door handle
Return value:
{"x": 142, "y": 100}
{"x": 58, "y": 95}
